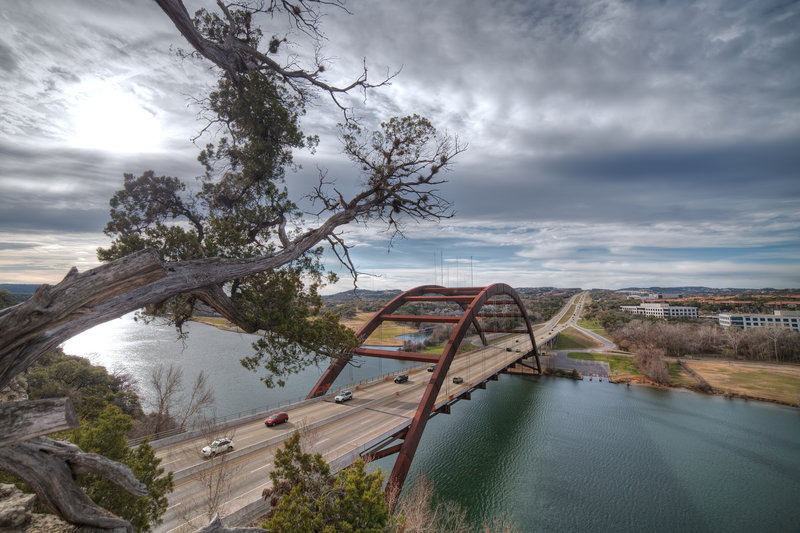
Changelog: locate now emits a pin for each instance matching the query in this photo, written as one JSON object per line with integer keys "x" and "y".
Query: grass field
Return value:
{"x": 568, "y": 314}
{"x": 217, "y": 322}
{"x": 779, "y": 383}
{"x": 384, "y": 335}
{"x": 572, "y": 339}
{"x": 594, "y": 326}
{"x": 620, "y": 365}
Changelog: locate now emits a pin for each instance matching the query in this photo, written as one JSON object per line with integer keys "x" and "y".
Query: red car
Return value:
{"x": 277, "y": 418}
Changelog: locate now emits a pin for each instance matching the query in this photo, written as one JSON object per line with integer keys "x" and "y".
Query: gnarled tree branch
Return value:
{"x": 49, "y": 467}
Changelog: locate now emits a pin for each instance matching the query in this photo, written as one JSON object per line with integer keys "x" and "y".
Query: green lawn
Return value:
{"x": 594, "y": 325}
{"x": 572, "y": 339}
{"x": 620, "y": 365}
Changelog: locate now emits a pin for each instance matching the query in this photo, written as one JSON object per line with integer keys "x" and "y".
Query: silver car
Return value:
{"x": 343, "y": 396}
{"x": 222, "y": 445}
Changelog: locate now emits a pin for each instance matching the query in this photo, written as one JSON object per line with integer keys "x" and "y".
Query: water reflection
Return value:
{"x": 126, "y": 345}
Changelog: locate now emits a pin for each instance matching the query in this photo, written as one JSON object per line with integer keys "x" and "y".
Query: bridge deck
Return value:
{"x": 340, "y": 432}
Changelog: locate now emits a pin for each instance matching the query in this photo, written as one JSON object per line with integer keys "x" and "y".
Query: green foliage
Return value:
{"x": 106, "y": 436}
{"x": 542, "y": 304}
{"x": 571, "y": 339}
{"x": 6, "y": 300}
{"x": 617, "y": 363}
{"x": 239, "y": 211}
{"x": 296, "y": 333}
{"x": 89, "y": 387}
{"x": 106, "y": 405}
{"x": 240, "y": 208}
{"x": 561, "y": 373}
{"x": 604, "y": 309}
{"x": 306, "y": 497}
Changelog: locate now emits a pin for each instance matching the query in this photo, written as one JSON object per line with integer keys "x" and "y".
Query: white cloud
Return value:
{"x": 611, "y": 143}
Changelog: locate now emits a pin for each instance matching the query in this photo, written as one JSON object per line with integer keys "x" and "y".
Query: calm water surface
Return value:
{"x": 561, "y": 455}
{"x": 134, "y": 347}
{"x": 551, "y": 454}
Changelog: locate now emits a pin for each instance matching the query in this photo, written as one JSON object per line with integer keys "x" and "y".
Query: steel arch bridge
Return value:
{"x": 474, "y": 302}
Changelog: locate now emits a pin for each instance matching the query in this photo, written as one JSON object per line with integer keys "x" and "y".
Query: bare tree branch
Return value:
{"x": 235, "y": 55}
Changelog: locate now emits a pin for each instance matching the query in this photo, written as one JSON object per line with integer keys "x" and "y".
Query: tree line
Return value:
{"x": 775, "y": 344}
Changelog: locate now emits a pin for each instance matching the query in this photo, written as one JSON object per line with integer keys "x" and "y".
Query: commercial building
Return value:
{"x": 780, "y": 319}
{"x": 661, "y": 310}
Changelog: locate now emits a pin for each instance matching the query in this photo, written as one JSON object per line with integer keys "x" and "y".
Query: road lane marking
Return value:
{"x": 225, "y": 465}
{"x": 260, "y": 467}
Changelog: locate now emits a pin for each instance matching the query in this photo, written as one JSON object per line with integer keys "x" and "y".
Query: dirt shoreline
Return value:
{"x": 700, "y": 390}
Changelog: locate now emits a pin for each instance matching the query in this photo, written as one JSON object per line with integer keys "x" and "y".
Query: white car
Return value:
{"x": 343, "y": 396}
{"x": 224, "y": 444}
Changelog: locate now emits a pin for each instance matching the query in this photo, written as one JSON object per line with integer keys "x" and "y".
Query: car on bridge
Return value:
{"x": 458, "y": 379}
{"x": 401, "y": 378}
{"x": 431, "y": 368}
{"x": 276, "y": 418}
{"x": 224, "y": 444}
{"x": 343, "y": 396}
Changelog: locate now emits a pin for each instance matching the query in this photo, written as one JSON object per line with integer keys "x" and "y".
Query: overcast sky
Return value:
{"x": 611, "y": 144}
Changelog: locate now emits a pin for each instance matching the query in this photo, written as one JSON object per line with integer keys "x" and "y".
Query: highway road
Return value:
{"x": 340, "y": 432}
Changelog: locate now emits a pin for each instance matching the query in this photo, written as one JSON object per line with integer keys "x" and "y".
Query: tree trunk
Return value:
{"x": 20, "y": 421}
{"x": 49, "y": 467}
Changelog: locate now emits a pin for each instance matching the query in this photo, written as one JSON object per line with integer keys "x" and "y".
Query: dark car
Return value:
{"x": 458, "y": 379}
{"x": 401, "y": 378}
{"x": 431, "y": 368}
{"x": 277, "y": 418}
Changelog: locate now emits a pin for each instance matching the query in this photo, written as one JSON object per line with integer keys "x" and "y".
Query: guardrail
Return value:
{"x": 216, "y": 421}
{"x": 264, "y": 410}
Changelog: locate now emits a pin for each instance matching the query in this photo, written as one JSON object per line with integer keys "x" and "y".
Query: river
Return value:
{"x": 549, "y": 454}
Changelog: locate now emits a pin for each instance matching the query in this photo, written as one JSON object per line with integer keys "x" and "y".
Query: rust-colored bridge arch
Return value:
{"x": 471, "y": 300}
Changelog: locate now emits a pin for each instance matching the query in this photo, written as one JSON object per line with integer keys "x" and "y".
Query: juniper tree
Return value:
{"x": 238, "y": 242}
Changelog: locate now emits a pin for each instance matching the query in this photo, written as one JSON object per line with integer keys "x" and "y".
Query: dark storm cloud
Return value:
{"x": 619, "y": 109}
{"x": 39, "y": 215}
{"x": 670, "y": 182}
{"x": 774, "y": 166}
{"x": 7, "y": 60}
{"x": 69, "y": 189}
{"x": 16, "y": 245}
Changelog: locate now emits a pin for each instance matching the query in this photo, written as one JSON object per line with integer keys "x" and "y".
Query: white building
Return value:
{"x": 780, "y": 319}
{"x": 661, "y": 310}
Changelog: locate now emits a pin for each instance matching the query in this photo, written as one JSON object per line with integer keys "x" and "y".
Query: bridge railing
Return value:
{"x": 215, "y": 421}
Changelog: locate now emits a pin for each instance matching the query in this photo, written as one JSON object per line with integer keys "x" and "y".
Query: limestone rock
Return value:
{"x": 16, "y": 515}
